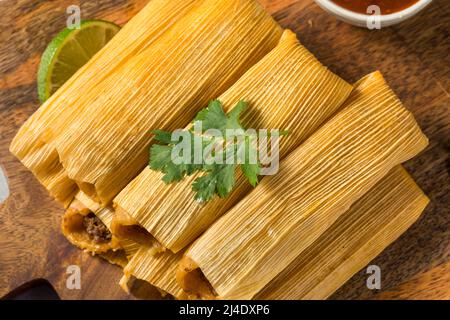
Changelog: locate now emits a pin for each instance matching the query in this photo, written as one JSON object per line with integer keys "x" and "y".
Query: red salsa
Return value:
{"x": 386, "y": 6}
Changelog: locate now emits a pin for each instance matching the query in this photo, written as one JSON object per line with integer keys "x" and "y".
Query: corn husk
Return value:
{"x": 130, "y": 247}
{"x": 33, "y": 144}
{"x": 260, "y": 236}
{"x": 287, "y": 90}
{"x": 118, "y": 258}
{"x": 357, "y": 237}
{"x": 128, "y": 254}
{"x": 155, "y": 267}
{"x": 162, "y": 87}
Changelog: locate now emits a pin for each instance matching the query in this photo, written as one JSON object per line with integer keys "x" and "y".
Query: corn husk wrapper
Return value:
{"x": 34, "y": 143}
{"x": 155, "y": 267}
{"x": 357, "y": 237}
{"x": 260, "y": 236}
{"x": 163, "y": 87}
{"x": 118, "y": 258}
{"x": 287, "y": 90}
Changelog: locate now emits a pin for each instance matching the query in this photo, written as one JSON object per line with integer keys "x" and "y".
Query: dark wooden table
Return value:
{"x": 413, "y": 56}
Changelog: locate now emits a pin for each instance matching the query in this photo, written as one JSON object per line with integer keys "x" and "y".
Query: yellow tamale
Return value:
{"x": 87, "y": 225}
{"x": 357, "y": 237}
{"x": 33, "y": 144}
{"x": 156, "y": 268}
{"x": 162, "y": 87}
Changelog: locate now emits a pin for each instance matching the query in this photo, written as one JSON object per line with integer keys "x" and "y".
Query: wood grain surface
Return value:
{"x": 413, "y": 56}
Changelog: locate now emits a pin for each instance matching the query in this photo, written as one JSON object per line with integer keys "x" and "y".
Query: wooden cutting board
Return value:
{"x": 413, "y": 56}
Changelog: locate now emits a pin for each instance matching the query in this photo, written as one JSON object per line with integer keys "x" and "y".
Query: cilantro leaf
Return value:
{"x": 220, "y": 180}
{"x": 164, "y": 137}
{"x": 251, "y": 171}
{"x": 250, "y": 166}
{"x": 161, "y": 160}
{"x": 219, "y": 177}
{"x": 234, "y": 115}
{"x": 226, "y": 179}
{"x": 204, "y": 188}
{"x": 213, "y": 117}
{"x": 160, "y": 156}
{"x": 174, "y": 173}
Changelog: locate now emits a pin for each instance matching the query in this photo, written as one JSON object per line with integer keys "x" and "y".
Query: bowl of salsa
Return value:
{"x": 373, "y": 14}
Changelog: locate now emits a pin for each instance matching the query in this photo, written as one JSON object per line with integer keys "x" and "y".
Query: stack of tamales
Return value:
{"x": 317, "y": 184}
{"x": 340, "y": 195}
{"x": 287, "y": 89}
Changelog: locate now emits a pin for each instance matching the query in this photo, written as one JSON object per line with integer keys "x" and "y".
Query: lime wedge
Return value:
{"x": 69, "y": 51}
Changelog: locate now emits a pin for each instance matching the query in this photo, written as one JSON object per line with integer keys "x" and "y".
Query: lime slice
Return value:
{"x": 69, "y": 51}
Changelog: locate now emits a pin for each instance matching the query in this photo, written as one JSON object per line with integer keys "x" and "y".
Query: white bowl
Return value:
{"x": 361, "y": 20}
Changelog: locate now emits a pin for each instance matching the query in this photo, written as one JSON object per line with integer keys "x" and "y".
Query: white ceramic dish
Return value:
{"x": 361, "y": 20}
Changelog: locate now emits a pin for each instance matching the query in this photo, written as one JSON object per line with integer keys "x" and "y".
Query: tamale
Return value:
{"x": 87, "y": 225}
{"x": 287, "y": 90}
{"x": 162, "y": 87}
{"x": 125, "y": 253}
{"x": 260, "y": 236}
{"x": 358, "y": 236}
{"x": 33, "y": 143}
{"x": 157, "y": 268}
{"x": 76, "y": 230}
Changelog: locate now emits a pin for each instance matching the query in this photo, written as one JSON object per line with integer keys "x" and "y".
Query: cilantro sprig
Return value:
{"x": 218, "y": 177}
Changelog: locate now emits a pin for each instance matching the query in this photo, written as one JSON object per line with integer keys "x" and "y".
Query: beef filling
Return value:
{"x": 96, "y": 229}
